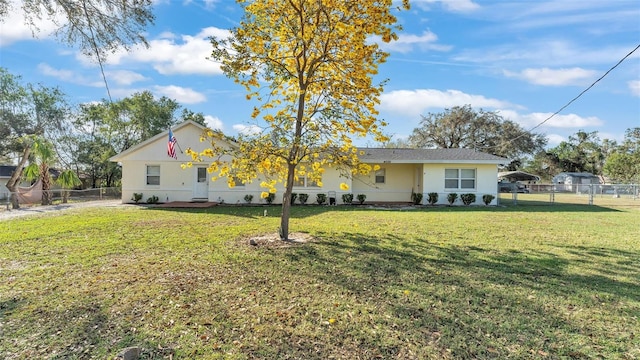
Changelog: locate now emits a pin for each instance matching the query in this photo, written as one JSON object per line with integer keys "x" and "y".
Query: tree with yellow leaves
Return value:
{"x": 310, "y": 64}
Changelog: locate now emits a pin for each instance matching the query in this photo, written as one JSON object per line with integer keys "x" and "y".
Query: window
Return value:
{"x": 460, "y": 178}
{"x": 153, "y": 174}
{"x": 237, "y": 182}
{"x": 380, "y": 176}
{"x": 303, "y": 181}
{"x": 202, "y": 174}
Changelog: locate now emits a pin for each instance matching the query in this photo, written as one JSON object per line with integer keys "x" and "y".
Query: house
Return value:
{"x": 577, "y": 182}
{"x": 5, "y": 174}
{"x": 24, "y": 187}
{"x": 148, "y": 170}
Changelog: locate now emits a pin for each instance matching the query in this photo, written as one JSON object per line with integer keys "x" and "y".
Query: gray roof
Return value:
{"x": 6, "y": 170}
{"x": 384, "y": 155}
{"x": 518, "y": 176}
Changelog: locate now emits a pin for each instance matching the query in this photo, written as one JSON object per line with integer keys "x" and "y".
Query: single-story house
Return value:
{"x": 24, "y": 187}
{"x": 148, "y": 170}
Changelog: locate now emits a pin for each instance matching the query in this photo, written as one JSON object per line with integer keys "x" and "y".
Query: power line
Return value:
{"x": 95, "y": 48}
{"x": 583, "y": 91}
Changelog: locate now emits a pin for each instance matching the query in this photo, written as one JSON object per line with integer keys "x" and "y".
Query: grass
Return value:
{"x": 524, "y": 282}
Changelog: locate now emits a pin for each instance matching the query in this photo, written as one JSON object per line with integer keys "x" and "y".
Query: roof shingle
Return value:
{"x": 428, "y": 156}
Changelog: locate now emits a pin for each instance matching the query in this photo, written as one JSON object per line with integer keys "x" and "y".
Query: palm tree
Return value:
{"x": 43, "y": 154}
{"x": 68, "y": 179}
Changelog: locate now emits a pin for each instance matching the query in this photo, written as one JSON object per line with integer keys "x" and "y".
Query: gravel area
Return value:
{"x": 39, "y": 209}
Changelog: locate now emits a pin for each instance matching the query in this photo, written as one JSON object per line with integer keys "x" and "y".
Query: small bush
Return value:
{"x": 136, "y": 197}
{"x": 321, "y": 198}
{"x": 294, "y": 196}
{"x": 269, "y": 199}
{"x": 432, "y": 198}
{"x": 487, "y": 198}
{"x": 153, "y": 200}
{"x": 416, "y": 198}
{"x": 468, "y": 199}
{"x": 248, "y": 198}
{"x": 347, "y": 198}
{"x": 452, "y": 197}
{"x": 361, "y": 198}
{"x": 302, "y": 198}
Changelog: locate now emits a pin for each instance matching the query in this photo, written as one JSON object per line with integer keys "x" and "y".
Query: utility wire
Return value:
{"x": 574, "y": 99}
{"x": 95, "y": 48}
{"x": 583, "y": 91}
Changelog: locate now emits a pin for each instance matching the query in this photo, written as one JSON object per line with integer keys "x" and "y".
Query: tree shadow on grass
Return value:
{"x": 474, "y": 302}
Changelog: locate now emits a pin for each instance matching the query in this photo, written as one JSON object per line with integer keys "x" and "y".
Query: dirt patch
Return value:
{"x": 273, "y": 240}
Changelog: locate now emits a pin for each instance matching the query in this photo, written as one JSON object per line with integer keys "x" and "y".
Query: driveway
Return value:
{"x": 39, "y": 209}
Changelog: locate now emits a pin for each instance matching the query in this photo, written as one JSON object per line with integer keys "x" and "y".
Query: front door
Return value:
{"x": 201, "y": 190}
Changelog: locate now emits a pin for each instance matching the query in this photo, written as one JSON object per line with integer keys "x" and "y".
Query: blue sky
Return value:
{"x": 525, "y": 59}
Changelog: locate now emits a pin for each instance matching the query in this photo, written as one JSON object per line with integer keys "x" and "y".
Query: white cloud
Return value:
{"x": 119, "y": 77}
{"x": 553, "y": 77}
{"x": 180, "y": 94}
{"x": 569, "y": 121}
{"x": 408, "y": 42}
{"x": 13, "y": 27}
{"x": 451, "y": 5}
{"x": 549, "y": 52}
{"x": 247, "y": 129}
{"x": 169, "y": 54}
{"x": 634, "y": 87}
{"x": 69, "y": 76}
{"x": 554, "y": 140}
{"x": 214, "y": 122}
{"x": 415, "y": 102}
{"x": 124, "y": 77}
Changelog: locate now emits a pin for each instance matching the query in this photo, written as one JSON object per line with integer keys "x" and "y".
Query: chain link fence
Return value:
{"x": 587, "y": 194}
{"x": 59, "y": 196}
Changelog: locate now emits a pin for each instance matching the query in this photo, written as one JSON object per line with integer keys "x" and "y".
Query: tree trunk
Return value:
{"x": 14, "y": 180}
{"x": 286, "y": 203}
{"x": 291, "y": 171}
{"x": 46, "y": 184}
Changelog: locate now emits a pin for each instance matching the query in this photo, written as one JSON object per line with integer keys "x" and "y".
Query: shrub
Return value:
{"x": 136, "y": 197}
{"x": 303, "y": 198}
{"x": 269, "y": 199}
{"x": 432, "y": 198}
{"x": 361, "y": 198}
{"x": 468, "y": 199}
{"x": 347, "y": 198}
{"x": 487, "y": 198}
{"x": 248, "y": 198}
{"x": 452, "y": 197}
{"x": 294, "y": 196}
{"x": 321, "y": 198}
{"x": 416, "y": 198}
{"x": 153, "y": 200}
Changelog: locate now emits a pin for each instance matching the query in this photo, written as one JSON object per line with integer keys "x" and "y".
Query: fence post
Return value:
{"x": 590, "y": 194}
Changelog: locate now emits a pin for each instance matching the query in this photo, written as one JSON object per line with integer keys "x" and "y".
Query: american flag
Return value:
{"x": 171, "y": 146}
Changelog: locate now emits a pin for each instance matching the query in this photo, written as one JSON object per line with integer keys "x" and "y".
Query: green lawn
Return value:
{"x": 524, "y": 282}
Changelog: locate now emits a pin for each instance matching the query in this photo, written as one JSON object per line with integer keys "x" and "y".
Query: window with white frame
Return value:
{"x": 237, "y": 182}
{"x": 153, "y": 174}
{"x": 380, "y": 176}
{"x": 460, "y": 178}
{"x": 304, "y": 181}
